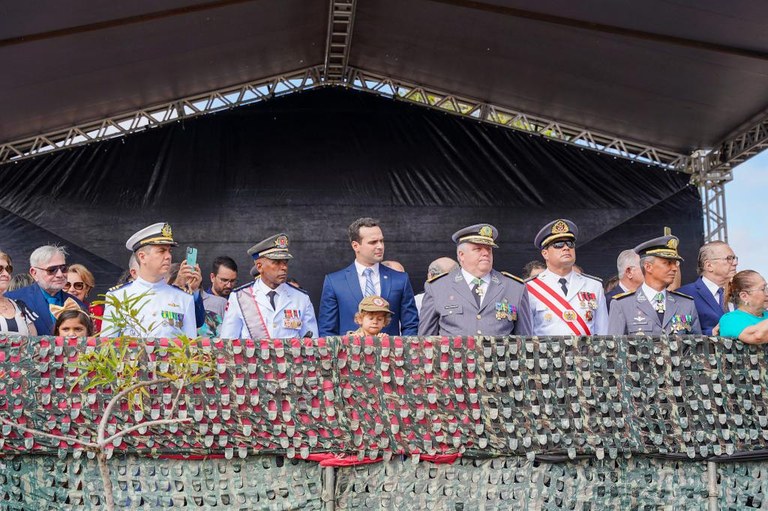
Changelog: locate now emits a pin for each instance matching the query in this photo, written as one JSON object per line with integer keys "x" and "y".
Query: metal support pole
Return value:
{"x": 711, "y": 181}
{"x": 329, "y": 489}
{"x": 714, "y": 494}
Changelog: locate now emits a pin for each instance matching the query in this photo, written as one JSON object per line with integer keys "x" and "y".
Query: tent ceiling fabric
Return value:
{"x": 676, "y": 75}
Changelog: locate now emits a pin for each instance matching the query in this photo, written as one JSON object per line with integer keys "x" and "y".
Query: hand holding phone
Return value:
{"x": 191, "y": 256}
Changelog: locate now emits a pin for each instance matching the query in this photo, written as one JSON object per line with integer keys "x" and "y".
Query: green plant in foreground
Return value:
{"x": 119, "y": 366}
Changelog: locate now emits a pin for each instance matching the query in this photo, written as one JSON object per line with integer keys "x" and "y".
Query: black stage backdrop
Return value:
{"x": 310, "y": 163}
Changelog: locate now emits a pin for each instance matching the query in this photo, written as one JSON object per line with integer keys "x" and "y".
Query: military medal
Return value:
{"x": 569, "y": 315}
{"x": 291, "y": 319}
{"x": 505, "y": 310}
{"x": 548, "y": 316}
{"x": 588, "y": 315}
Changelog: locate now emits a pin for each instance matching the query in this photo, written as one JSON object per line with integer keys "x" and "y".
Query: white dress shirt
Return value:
{"x": 376, "y": 277}
{"x": 713, "y": 289}
{"x": 651, "y": 293}
{"x": 468, "y": 277}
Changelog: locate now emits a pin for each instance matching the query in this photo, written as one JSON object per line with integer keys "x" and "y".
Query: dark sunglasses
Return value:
{"x": 561, "y": 244}
{"x": 51, "y": 270}
{"x": 7, "y": 268}
{"x": 77, "y": 285}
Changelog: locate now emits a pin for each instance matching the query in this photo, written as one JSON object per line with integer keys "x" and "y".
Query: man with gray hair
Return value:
{"x": 717, "y": 264}
{"x": 630, "y": 275}
{"x": 436, "y": 268}
{"x": 48, "y": 266}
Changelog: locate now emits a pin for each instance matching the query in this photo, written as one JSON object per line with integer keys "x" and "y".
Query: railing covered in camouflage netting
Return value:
{"x": 525, "y": 401}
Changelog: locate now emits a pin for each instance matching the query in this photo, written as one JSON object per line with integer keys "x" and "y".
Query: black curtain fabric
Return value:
{"x": 310, "y": 163}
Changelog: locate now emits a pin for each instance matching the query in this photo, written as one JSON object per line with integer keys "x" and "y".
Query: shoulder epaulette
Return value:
{"x": 513, "y": 277}
{"x": 441, "y": 275}
{"x": 592, "y": 277}
{"x": 300, "y": 289}
{"x": 623, "y": 295}
{"x": 529, "y": 279}
{"x": 240, "y": 288}
{"x": 119, "y": 286}
{"x": 185, "y": 291}
{"x": 678, "y": 293}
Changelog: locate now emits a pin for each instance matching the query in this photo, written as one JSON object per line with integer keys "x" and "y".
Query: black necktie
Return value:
{"x": 564, "y": 286}
{"x": 271, "y": 296}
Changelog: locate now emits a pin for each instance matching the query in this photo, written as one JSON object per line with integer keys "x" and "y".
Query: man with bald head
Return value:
{"x": 717, "y": 264}
{"x": 436, "y": 268}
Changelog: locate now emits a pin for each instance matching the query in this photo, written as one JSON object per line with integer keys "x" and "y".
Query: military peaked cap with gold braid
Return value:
{"x": 481, "y": 234}
{"x": 560, "y": 229}
{"x": 156, "y": 234}
{"x": 664, "y": 246}
{"x": 274, "y": 247}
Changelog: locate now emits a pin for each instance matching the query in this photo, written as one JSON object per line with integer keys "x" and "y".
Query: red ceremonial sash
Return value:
{"x": 558, "y": 305}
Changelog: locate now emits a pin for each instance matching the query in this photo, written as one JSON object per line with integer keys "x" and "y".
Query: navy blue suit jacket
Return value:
{"x": 610, "y": 294}
{"x": 32, "y": 296}
{"x": 706, "y": 305}
{"x": 342, "y": 294}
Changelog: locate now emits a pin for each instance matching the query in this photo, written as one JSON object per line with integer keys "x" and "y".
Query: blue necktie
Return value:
{"x": 720, "y": 292}
{"x": 369, "y": 287}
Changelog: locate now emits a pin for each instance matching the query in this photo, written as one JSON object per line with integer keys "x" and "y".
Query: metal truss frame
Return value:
{"x": 341, "y": 20}
{"x": 711, "y": 180}
{"x": 159, "y": 115}
{"x": 501, "y": 116}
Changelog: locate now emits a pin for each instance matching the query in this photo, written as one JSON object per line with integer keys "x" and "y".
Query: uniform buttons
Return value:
{"x": 479, "y": 332}
{"x": 450, "y": 312}
{"x": 479, "y": 316}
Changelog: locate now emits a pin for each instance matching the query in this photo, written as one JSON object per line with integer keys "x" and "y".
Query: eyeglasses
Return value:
{"x": 77, "y": 285}
{"x": 226, "y": 281}
{"x": 732, "y": 259}
{"x": 561, "y": 244}
{"x": 7, "y": 268}
{"x": 51, "y": 270}
{"x": 764, "y": 289}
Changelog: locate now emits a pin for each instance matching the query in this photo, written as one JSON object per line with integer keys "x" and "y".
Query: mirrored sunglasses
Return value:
{"x": 563, "y": 243}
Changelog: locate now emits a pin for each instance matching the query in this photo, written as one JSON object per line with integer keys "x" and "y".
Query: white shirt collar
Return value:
{"x": 261, "y": 286}
{"x": 146, "y": 283}
{"x": 711, "y": 286}
{"x": 468, "y": 277}
{"x": 651, "y": 293}
{"x": 554, "y": 277}
{"x": 360, "y": 268}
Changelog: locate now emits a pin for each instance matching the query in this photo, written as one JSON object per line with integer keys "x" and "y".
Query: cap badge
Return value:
{"x": 166, "y": 231}
{"x": 672, "y": 243}
{"x": 281, "y": 242}
{"x": 560, "y": 227}
{"x": 486, "y": 231}
{"x": 378, "y": 302}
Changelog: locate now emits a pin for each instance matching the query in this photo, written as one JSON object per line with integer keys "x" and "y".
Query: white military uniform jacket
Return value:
{"x": 585, "y": 297}
{"x": 167, "y": 311}
{"x": 293, "y": 315}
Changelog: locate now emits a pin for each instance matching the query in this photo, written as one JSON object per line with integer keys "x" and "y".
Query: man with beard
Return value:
{"x": 475, "y": 299}
{"x": 717, "y": 265}
{"x": 652, "y": 309}
{"x": 164, "y": 310}
{"x": 563, "y": 301}
{"x": 366, "y": 276}
{"x": 48, "y": 266}
{"x": 268, "y": 307}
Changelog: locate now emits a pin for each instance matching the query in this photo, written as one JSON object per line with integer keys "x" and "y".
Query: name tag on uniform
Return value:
{"x": 291, "y": 319}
